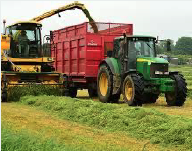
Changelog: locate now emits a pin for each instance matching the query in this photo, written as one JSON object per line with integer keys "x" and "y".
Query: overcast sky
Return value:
{"x": 166, "y": 19}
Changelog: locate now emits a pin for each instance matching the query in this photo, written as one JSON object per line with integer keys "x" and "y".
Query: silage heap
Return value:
{"x": 141, "y": 123}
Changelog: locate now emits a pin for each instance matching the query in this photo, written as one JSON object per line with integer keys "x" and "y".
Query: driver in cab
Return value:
{"x": 23, "y": 44}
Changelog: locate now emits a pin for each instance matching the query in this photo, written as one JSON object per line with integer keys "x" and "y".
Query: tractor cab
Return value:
{"x": 25, "y": 40}
{"x": 138, "y": 53}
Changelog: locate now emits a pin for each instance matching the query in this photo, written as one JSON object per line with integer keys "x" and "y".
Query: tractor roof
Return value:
{"x": 135, "y": 36}
{"x": 26, "y": 22}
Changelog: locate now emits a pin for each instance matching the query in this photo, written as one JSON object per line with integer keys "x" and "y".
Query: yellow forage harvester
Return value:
{"x": 25, "y": 69}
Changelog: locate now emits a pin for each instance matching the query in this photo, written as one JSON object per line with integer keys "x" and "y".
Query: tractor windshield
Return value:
{"x": 25, "y": 41}
{"x": 144, "y": 47}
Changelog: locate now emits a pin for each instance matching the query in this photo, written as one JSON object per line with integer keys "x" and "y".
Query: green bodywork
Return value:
{"x": 160, "y": 84}
{"x": 142, "y": 67}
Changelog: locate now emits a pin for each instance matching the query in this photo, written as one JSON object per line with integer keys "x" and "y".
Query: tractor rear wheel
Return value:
{"x": 133, "y": 88}
{"x": 105, "y": 84}
{"x": 178, "y": 97}
{"x": 150, "y": 98}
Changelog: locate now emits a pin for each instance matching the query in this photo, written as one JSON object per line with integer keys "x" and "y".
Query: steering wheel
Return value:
{"x": 138, "y": 53}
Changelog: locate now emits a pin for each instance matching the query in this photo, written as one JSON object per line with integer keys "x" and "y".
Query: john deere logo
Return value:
{"x": 92, "y": 43}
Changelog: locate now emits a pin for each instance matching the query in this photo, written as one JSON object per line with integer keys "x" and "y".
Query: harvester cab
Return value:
{"x": 136, "y": 72}
{"x": 25, "y": 49}
{"x": 25, "y": 40}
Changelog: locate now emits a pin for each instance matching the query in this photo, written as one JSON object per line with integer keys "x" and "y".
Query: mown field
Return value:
{"x": 62, "y": 123}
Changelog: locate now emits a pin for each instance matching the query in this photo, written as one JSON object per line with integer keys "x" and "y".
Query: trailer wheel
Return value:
{"x": 104, "y": 84}
{"x": 133, "y": 88}
{"x": 178, "y": 97}
{"x": 72, "y": 92}
{"x": 150, "y": 98}
{"x": 92, "y": 92}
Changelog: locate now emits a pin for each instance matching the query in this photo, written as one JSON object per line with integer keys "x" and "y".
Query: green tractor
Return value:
{"x": 134, "y": 71}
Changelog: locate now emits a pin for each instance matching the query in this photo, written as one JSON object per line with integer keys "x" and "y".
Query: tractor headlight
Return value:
{"x": 166, "y": 73}
{"x": 158, "y": 72}
{"x": 161, "y": 73}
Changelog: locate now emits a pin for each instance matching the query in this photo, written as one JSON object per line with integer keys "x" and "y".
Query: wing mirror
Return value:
{"x": 168, "y": 44}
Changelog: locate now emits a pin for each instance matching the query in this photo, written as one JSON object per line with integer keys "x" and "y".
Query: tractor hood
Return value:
{"x": 152, "y": 60}
{"x": 147, "y": 66}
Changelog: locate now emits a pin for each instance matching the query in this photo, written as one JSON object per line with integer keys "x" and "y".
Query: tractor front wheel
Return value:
{"x": 178, "y": 97}
{"x": 133, "y": 88}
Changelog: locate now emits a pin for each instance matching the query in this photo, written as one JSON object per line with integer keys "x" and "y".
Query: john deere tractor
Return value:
{"x": 134, "y": 71}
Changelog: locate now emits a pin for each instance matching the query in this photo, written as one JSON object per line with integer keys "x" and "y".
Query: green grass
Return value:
{"x": 141, "y": 123}
{"x": 23, "y": 141}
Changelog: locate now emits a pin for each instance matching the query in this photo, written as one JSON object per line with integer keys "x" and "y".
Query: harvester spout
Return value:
{"x": 75, "y": 5}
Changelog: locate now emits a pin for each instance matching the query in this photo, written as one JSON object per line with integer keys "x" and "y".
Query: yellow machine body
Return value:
{"x": 22, "y": 70}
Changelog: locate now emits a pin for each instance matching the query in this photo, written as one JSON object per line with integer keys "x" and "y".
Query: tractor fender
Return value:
{"x": 112, "y": 64}
{"x": 129, "y": 72}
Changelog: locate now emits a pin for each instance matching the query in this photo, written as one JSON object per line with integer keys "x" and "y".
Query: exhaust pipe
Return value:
{"x": 4, "y": 22}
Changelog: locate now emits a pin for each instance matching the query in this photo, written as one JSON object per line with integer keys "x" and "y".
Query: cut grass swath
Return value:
{"x": 141, "y": 123}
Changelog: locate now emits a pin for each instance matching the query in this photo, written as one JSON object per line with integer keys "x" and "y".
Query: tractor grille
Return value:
{"x": 158, "y": 67}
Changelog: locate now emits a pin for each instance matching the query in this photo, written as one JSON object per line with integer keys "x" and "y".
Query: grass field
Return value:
{"x": 61, "y": 123}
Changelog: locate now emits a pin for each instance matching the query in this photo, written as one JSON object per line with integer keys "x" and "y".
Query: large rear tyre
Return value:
{"x": 133, "y": 88}
{"x": 105, "y": 85}
{"x": 150, "y": 98}
{"x": 178, "y": 97}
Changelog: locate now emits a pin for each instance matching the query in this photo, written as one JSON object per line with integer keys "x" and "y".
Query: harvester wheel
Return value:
{"x": 150, "y": 98}
{"x": 4, "y": 97}
{"x": 133, "y": 88}
{"x": 92, "y": 92}
{"x": 178, "y": 97}
{"x": 104, "y": 84}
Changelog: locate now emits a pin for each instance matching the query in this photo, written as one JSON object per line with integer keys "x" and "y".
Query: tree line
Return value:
{"x": 183, "y": 46}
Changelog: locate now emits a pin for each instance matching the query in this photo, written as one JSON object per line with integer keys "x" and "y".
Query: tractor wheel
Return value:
{"x": 133, "y": 88}
{"x": 92, "y": 92}
{"x": 72, "y": 92}
{"x": 178, "y": 97}
{"x": 104, "y": 84}
{"x": 150, "y": 98}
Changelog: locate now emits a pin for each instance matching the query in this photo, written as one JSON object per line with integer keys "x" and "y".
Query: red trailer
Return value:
{"x": 78, "y": 52}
